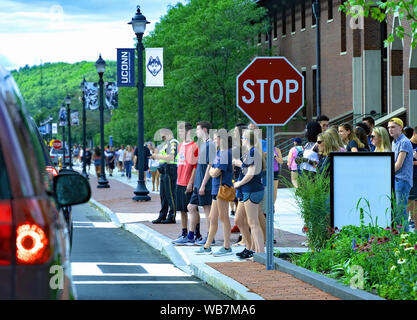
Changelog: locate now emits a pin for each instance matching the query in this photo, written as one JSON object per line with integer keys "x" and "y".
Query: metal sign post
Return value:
{"x": 270, "y": 198}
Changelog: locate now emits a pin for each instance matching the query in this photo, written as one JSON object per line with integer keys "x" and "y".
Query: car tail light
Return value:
{"x": 6, "y": 243}
{"x": 32, "y": 241}
{"x": 52, "y": 170}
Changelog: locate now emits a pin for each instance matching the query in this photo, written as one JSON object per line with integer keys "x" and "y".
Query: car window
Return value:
{"x": 5, "y": 192}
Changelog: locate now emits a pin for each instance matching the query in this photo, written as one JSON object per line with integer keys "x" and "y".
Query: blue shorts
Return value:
{"x": 254, "y": 197}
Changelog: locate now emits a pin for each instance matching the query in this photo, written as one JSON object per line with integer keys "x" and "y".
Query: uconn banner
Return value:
{"x": 125, "y": 67}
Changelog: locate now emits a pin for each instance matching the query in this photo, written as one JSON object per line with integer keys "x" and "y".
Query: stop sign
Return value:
{"x": 57, "y": 144}
{"x": 270, "y": 91}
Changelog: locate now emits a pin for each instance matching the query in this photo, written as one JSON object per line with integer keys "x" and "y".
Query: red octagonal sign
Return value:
{"x": 270, "y": 91}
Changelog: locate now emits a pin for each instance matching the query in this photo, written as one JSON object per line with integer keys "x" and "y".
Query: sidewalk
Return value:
{"x": 239, "y": 279}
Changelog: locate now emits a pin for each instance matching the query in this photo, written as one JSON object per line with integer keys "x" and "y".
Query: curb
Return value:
{"x": 319, "y": 281}
{"x": 219, "y": 281}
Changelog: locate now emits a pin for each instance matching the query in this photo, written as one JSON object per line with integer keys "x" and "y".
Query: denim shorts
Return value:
{"x": 254, "y": 197}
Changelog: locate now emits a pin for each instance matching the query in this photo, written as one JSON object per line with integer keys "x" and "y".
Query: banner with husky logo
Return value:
{"x": 62, "y": 117}
{"x": 154, "y": 67}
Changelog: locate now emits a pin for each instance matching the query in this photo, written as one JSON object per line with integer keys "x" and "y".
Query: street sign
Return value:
{"x": 57, "y": 144}
{"x": 270, "y": 91}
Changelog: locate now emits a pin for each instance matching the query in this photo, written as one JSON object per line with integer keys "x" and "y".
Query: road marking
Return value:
{"x": 151, "y": 269}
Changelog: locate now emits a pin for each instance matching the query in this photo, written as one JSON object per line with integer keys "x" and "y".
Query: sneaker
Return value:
{"x": 242, "y": 252}
{"x": 246, "y": 255}
{"x": 181, "y": 241}
{"x": 203, "y": 250}
{"x": 190, "y": 242}
{"x": 202, "y": 242}
{"x": 222, "y": 252}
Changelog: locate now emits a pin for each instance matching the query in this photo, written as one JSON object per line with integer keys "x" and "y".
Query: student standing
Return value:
{"x": 403, "y": 152}
{"x": 222, "y": 174}
{"x": 187, "y": 164}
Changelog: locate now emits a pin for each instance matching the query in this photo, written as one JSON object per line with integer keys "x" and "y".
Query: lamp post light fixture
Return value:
{"x": 101, "y": 67}
{"x": 139, "y": 23}
{"x": 68, "y": 103}
{"x": 84, "y": 172}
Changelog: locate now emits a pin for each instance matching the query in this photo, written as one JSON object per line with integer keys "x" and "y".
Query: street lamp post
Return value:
{"x": 139, "y": 25}
{"x": 101, "y": 67}
{"x": 68, "y": 103}
{"x": 316, "y": 12}
{"x": 63, "y": 138}
{"x": 84, "y": 173}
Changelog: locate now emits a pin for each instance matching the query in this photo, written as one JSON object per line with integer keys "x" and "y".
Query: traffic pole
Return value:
{"x": 270, "y": 199}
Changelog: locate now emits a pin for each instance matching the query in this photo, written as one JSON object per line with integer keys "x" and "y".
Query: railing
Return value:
{"x": 350, "y": 118}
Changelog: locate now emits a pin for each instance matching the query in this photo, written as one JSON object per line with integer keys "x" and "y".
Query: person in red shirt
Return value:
{"x": 186, "y": 167}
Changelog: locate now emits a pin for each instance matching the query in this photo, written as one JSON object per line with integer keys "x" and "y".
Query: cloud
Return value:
{"x": 70, "y": 31}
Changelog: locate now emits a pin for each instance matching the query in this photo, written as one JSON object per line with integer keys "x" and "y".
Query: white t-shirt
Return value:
{"x": 121, "y": 154}
{"x": 310, "y": 155}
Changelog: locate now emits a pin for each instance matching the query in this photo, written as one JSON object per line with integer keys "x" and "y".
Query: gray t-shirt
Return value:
{"x": 406, "y": 171}
{"x": 206, "y": 155}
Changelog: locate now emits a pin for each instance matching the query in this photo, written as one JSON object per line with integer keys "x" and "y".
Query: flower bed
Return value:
{"x": 380, "y": 261}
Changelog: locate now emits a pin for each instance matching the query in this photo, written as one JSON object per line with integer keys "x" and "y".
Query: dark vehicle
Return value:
{"x": 34, "y": 239}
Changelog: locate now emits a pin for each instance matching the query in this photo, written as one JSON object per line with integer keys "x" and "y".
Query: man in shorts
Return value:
{"x": 202, "y": 184}
{"x": 186, "y": 167}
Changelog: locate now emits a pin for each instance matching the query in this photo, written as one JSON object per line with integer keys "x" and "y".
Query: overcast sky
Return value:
{"x": 70, "y": 30}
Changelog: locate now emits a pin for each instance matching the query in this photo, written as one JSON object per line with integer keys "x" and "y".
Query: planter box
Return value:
{"x": 321, "y": 282}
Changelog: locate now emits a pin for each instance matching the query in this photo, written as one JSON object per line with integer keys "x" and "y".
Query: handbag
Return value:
{"x": 225, "y": 192}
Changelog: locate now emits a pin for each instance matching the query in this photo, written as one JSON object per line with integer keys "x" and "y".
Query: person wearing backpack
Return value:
{"x": 296, "y": 150}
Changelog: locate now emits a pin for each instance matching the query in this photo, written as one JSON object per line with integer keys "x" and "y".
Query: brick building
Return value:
{"x": 358, "y": 75}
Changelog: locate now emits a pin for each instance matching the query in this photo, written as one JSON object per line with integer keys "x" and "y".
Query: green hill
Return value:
{"x": 45, "y": 87}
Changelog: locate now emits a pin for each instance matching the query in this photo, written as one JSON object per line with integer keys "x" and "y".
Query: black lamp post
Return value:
{"x": 68, "y": 103}
{"x": 84, "y": 173}
{"x": 62, "y": 121}
{"x": 316, "y": 12}
{"x": 101, "y": 67}
{"x": 139, "y": 25}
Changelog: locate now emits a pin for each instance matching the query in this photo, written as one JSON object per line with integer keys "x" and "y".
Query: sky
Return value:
{"x": 35, "y": 32}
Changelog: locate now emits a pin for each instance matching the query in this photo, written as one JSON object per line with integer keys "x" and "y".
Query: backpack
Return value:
{"x": 299, "y": 158}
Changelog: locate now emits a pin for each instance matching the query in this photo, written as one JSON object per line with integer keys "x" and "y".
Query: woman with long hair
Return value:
{"x": 252, "y": 192}
{"x": 221, "y": 172}
{"x": 380, "y": 139}
{"x": 128, "y": 161}
{"x": 349, "y": 138}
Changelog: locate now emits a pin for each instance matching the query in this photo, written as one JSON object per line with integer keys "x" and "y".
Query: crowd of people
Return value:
{"x": 225, "y": 171}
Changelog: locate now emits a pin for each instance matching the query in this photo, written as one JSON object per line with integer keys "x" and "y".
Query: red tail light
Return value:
{"x": 6, "y": 243}
{"x": 31, "y": 243}
{"x": 52, "y": 170}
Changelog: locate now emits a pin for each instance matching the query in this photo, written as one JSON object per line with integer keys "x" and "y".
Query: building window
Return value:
{"x": 329, "y": 9}
{"x": 303, "y": 14}
{"x": 313, "y": 18}
{"x": 275, "y": 26}
{"x": 293, "y": 17}
{"x": 342, "y": 31}
{"x": 284, "y": 22}
{"x": 259, "y": 37}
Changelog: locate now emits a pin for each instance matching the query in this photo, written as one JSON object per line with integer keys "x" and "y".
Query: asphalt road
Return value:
{"x": 111, "y": 263}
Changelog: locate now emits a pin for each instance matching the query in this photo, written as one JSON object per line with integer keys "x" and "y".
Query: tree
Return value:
{"x": 380, "y": 10}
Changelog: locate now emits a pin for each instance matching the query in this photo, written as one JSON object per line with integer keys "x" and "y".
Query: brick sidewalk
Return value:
{"x": 269, "y": 284}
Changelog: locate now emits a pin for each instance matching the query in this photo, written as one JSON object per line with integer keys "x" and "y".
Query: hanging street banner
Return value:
{"x": 54, "y": 128}
{"x": 74, "y": 118}
{"x": 126, "y": 67}
{"x": 91, "y": 97}
{"x": 154, "y": 59}
{"x": 62, "y": 117}
{"x": 112, "y": 95}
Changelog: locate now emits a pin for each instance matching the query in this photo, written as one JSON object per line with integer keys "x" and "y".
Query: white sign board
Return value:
{"x": 54, "y": 128}
{"x": 359, "y": 178}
